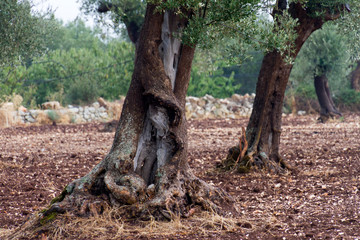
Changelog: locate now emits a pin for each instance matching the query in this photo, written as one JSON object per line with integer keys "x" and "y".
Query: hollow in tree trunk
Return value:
{"x": 146, "y": 171}
{"x": 326, "y": 102}
{"x": 264, "y": 128}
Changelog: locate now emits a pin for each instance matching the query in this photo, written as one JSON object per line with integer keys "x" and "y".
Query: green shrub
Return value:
{"x": 348, "y": 97}
{"x": 306, "y": 91}
{"x": 215, "y": 84}
{"x": 53, "y": 115}
{"x": 83, "y": 91}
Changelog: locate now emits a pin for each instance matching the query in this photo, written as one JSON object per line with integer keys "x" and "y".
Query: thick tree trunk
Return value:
{"x": 146, "y": 171}
{"x": 326, "y": 102}
{"x": 355, "y": 78}
{"x": 264, "y": 128}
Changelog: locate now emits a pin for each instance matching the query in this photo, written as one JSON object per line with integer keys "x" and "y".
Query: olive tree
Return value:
{"x": 22, "y": 32}
{"x": 261, "y": 142}
{"x": 146, "y": 171}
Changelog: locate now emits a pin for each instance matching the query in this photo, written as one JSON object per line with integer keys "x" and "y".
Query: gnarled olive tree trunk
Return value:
{"x": 264, "y": 128}
{"x": 326, "y": 102}
{"x": 146, "y": 171}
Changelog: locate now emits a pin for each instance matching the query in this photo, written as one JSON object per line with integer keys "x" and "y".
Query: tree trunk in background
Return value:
{"x": 327, "y": 105}
{"x": 264, "y": 128}
{"x": 355, "y": 78}
{"x": 146, "y": 171}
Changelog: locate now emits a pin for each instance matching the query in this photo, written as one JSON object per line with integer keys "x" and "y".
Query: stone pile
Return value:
{"x": 102, "y": 111}
{"x": 210, "y": 107}
{"x": 70, "y": 114}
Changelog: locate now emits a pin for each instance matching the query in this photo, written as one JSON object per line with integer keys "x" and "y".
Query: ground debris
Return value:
{"x": 320, "y": 201}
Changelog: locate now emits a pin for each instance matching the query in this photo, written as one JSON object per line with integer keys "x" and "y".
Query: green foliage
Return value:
{"x": 348, "y": 97}
{"x": 77, "y": 75}
{"x": 75, "y": 35}
{"x": 319, "y": 8}
{"x": 53, "y": 115}
{"x": 29, "y": 96}
{"x": 349, "y": 26}
{"x": 325, "y": 53}
{"x": 22, "y": 32}
{"x": 83, "y": 91}
{"x": 208, "y": 77}
{"x": 246, "y": 73}
{"x": 11, "y": 78}
{"x": 213, "y": 83}
{"x": 82, "y": 74}
{"x": 118, "y": 76}
{"x": 305, "y": 90}
{"x": 211, "y": 66}
{"x": 123, "y": 12}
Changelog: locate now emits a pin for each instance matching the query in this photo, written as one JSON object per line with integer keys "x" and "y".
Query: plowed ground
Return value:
{"x": 321, "y": 200}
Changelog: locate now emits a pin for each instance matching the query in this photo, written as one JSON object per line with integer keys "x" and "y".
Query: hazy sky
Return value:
{"x": 66, "y": 10}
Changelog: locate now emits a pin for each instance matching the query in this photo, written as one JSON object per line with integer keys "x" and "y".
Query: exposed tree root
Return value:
{"x": 242, "y": 160}
{"x": 253, "y": 161}
{"x": 176, "y": 194}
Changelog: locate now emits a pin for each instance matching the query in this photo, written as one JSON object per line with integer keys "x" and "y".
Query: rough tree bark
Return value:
{"x": 146, "y": 171}
{"x": 264, "y": 128}
{"x": 355, "y": 78}
{"x": 326, "y": 102}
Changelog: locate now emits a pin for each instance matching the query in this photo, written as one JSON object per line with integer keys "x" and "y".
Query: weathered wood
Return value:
{"x": 156, "y": 146}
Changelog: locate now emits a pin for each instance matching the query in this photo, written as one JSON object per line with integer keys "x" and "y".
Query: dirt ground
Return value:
{"x": 320, "y": 201}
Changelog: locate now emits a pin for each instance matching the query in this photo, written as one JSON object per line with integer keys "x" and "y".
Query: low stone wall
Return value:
{"x": 210, "y": 107}
{"x": 70, "y": 114}
{"x": 102, "y": 111}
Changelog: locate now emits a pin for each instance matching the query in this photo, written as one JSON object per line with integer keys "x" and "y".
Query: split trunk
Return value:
{"x": 146, "y": 171}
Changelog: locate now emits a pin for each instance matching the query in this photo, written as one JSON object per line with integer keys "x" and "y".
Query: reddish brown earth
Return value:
{"x": 321, "y": 200}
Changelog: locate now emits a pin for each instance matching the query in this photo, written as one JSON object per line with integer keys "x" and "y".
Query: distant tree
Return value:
{"x": 81, "y": 74}
{"x": 75, "y": 34}
{"x": 131, "y": 13}
{"x": 22, "y": 32}
{"x": 325, "y": 55}
{"x": 23, "y": 35}
{"x": 246, "y": 73}
{"x": 208, "y": 77}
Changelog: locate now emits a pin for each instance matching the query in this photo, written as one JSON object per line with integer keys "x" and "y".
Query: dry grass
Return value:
{"x": 64, "y": 118}
{"x": 110, "y": 225}
{"x": 43, "y": 118}
{"x": 47, "y": 118}
{"x": 6, "y": 118}
{"x": 17, "y": 100}
{"x": 114, "y": 109}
